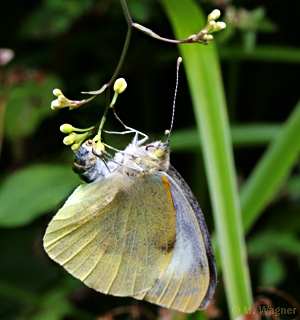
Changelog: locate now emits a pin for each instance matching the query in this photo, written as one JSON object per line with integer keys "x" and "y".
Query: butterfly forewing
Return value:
{"x": 111, "y": 237}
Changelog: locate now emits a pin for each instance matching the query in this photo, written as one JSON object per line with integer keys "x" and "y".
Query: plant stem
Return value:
{"x": 120, "y": 63}
{"x": 156, "y": 36}
{"x": 126, "y": 44}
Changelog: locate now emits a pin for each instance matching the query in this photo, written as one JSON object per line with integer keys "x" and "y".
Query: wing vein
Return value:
{"x": 110, "y": 258}
{"x": 118, "y": 268}
{"x": 130, "y": 256}
{"x": 98, "y": 259}
{"x": 89, "y": 242}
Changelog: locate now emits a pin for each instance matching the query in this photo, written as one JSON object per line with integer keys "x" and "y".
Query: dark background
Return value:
{"x": 75, "y": 46}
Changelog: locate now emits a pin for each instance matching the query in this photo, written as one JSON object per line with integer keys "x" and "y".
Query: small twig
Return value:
{"x": 121, "y": 61}
{"x": 152, "y": 34}
{"x": 133, "y": 310}
{"x": 2, "y": 111}
{"x": 283, "y": 295}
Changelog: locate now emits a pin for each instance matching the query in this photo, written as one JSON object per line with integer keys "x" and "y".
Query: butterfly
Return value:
{"x": 134, "y": 228}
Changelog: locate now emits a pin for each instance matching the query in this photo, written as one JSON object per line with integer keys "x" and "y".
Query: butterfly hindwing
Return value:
{"x": 111, "y": 237}
{"x": 182, "y": 185}
{"x": 188, "y": 279}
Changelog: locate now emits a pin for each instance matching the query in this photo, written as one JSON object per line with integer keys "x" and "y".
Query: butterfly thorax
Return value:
{"x": 144, "y": 160}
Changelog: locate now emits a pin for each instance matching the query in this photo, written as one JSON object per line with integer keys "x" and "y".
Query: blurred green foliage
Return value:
{"x": 75, "y": 45}
{"x": 44, "y": 185}
{"x": 25, "y": 106}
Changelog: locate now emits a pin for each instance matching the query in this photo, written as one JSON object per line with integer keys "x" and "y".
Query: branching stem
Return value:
{"x": 120, "y": 63}
{"x": 201, "y": 37}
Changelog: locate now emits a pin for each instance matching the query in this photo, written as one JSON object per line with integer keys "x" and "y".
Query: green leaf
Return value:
{"x": 266, "y": 53}
{"x": 203, "y": 73}
{"x": 53, "y": 18}
{"x": 274, "y": 241}
{"x": 141, "y": 10}
{"x": 246, "y": 135}
{"x": 28, "y": 104}
{"x": 292, "y": 187}
{"x": 33, "y": 191}
{"x": 272, "y": 271}
{"x": 272, "y": 169}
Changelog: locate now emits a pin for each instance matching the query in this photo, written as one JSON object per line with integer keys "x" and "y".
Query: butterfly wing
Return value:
{"x": 111, "y": 237}
{"x": 190, "y": 278}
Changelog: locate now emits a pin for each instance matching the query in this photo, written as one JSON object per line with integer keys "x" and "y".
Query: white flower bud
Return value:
{"x": 214, "y": 15}
{"x": 207, "y": 37}
{"x": 220, "y": 26}
{"x": 57, "y": 92}
{"x": 56, "y": 104}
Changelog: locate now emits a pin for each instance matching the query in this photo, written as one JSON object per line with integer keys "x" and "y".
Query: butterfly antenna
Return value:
{"x": 179, "y": 60}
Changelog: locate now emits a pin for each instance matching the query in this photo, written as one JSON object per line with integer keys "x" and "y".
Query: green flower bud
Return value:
{"x": 120, "y": 85}
{"x": 76, "y": 146}
{"x": 66, "y": 128}
{"x": 68, "y": 140}
{"x": 211, "y": 28}
{"x": 99, "y": 148}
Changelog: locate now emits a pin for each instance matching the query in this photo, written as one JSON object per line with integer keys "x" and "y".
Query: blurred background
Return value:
{"x": 75, "y": 46}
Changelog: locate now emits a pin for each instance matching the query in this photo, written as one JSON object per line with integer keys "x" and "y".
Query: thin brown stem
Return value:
{"x": 2, "y": 110}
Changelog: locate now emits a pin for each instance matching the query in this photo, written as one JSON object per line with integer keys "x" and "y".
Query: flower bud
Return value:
{"x": 57, "y": 92}
{"x": 214, "y": 15}
{"x": 76, "y": 146}
{"x": 120, "y": 85}
{"x": 68, "y": 140}
{"x": 65, "y": 101}
{"x": 66, "y": 128}
{"x": 207, "y": 37}
{"x": 220, "y": 25}
{"x": 99, "y": 148}
{"x": 212, "y": 25}
{"x": 56, "y": 104}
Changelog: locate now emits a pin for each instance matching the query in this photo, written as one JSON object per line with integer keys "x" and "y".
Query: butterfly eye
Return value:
{"x": 149, "y": 146}
{"x": 160, "y": 153}
{"x": 89, "y": 142}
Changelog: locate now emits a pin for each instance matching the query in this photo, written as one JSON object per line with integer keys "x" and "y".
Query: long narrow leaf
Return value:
{"x": 262, "y": 53}
{"x": 248, "y": 135}
{"x": 270, "y": 172}
{"x": 203, "y": 74}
